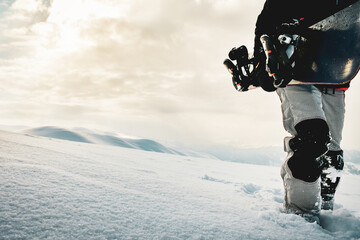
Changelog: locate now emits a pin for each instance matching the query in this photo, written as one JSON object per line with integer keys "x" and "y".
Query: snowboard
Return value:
{"x": 331, "y": 55}
{"x": 326, "y": 52}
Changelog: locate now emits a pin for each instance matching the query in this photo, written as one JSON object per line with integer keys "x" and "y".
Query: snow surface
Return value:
{"x": 57, "y": 189}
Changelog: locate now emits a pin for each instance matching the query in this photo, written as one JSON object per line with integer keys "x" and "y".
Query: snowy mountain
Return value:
{"x": 107, "y": 138}
{"x": 56, "y": 189}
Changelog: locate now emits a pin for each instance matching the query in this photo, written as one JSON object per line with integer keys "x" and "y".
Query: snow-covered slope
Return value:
{"x": 56, "y": 189}
{"x": 107, "y": 138}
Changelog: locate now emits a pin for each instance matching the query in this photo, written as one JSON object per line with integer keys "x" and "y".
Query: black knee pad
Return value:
{"x": 309, "y": 144}
{"x": 305, "y": 168}
{"x": 312, "y": 138}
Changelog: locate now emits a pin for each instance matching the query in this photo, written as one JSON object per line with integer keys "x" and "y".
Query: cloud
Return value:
{"x": 154, "y": 67}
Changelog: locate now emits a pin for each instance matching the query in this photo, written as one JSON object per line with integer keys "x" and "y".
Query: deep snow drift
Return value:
{"x": 56, "y": 189}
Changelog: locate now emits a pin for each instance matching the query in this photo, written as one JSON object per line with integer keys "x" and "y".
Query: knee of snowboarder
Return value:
{"x": 312, "y": 138}
{"x": 308, "y": 145}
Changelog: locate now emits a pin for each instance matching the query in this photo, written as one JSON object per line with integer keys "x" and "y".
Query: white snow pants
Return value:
{"x": 305, "y": 102}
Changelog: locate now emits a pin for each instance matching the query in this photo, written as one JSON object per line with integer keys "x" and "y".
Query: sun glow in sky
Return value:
{"x": 146, "y": 68}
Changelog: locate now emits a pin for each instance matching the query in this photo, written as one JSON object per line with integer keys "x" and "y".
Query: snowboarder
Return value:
{"x": 312, "y": 114}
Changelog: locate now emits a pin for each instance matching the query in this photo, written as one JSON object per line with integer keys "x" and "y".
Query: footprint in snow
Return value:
{"x": 207, "y": 178}
{"x": 249, "y": 188}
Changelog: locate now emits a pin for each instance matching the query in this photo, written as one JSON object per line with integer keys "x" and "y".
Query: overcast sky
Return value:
{"x": 145, "y": 68}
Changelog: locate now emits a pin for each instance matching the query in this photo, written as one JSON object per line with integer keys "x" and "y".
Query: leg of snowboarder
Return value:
{"x": 304, "y": 119}
{"x": 311, "y": 119}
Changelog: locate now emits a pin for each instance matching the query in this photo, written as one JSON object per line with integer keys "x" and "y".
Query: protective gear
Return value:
{"x": 305, "y": 168}
{"x": 312, "y": 138}
{"x": 330, "y": 177}
{"x": 308, "y": 145}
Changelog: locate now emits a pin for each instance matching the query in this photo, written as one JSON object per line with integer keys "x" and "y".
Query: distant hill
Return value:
{"x": 106, "y": 138}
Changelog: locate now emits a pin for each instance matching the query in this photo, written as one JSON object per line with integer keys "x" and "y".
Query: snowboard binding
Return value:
{"x": 280, "y": 57}
{"x": 241, "y": 75}
{"x": 272, "y": 71}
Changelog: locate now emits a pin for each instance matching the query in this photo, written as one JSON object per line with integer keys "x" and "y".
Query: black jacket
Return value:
{"x": 277, "y": 12}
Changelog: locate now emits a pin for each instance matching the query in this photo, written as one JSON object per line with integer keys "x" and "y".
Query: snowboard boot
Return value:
{"x": 330, "y": 177}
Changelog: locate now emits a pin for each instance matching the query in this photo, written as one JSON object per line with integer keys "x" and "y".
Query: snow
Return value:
{"x": 58, "y": 189}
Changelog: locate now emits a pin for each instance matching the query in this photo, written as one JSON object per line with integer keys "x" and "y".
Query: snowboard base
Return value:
{"x": 332, "y": 54}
